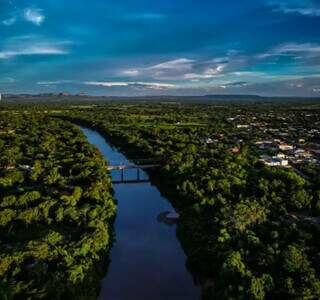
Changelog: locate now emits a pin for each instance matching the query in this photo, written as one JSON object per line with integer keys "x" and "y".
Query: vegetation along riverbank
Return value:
{"x": 243, "y": 177}
{"x": 247, "y": 223}
{"x": 56, "y": 210}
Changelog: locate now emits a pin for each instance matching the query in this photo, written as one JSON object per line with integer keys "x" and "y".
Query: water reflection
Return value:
{"x": 147, "y": 261}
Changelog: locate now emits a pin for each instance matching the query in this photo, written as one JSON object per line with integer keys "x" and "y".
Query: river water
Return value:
{"x": 147, "y": 261}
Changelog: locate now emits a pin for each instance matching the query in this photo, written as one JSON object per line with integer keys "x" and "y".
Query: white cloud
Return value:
{"x": 155, "y": 85}
{"x": 218, "y": 69}
{"x": 177, "y": 65}
{"x": 150, "y": 85}
{"x": 9, "y": 22}
{"x": 194, "y": 76}
{"x": 296, "y": 85}
{"x": 106, "y": 83}
{"x": 33, "y": 50}
{"x": 248, "y": 73}
{"x": 110, "y": 84}
{"x": 304, "y": 11}
{"x": 131, "y": 72}
{"x": 302, "y": 7}
{"x": 56, "y": 82}
{"x": 34, "y": 15}
{"x": 32, "y": 45}
{"x": 236, "y": 84}
{"x": 181, "y": 63}
{"x": 208, "y": 73}
{"x": 231, "y": 71}
{"x": 178, "y": 69}
{"x": 293, "y": 49}
{"x": 7, "y": 80}
{"x": 296, "y": 48}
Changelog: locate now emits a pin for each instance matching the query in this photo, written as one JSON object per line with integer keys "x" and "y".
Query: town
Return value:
{"x": 276, "y": 139}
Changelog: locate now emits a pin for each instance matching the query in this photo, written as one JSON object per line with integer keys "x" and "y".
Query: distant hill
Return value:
{"x": 64, "y": 97}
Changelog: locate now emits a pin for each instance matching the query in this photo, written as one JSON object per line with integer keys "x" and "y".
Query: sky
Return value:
{"x": 167, "y": 47}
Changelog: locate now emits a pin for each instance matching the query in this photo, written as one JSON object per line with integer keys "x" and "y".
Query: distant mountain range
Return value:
{"x": 62, "y": 97}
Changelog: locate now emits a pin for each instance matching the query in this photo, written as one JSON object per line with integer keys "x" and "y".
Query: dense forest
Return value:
{"x": 56, "y": 210}
{"x": 244, "y": 224}
{"x": 252, "y": 228}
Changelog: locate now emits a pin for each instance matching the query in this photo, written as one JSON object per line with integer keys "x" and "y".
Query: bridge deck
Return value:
{"x": 130, "y": 181}
{"x": 127, "y": 167}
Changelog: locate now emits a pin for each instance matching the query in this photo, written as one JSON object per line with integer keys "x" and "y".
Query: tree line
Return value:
{"x": 56, "y": 210}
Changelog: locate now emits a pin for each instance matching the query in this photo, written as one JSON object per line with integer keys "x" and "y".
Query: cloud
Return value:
{"x": 7, "y": 80}
{"x": 298, "y": 48}
{"x": 235, "y": 84}
{"x": 233, "y": 65}
{"x": 181, "y": 63}
{"x": 131, "y": 72}
{"x": 297, "y": 86}
{"x": 56, "y": 82}
{"x": 178, "y": 69}
{"x": 107, "y": 83}
{"x": 301, "y": 7}
{"x": 248, "y": 73}
{"x": 9, "y": 21}
{"x": 300, "y": 51}
{"x": 32, "y": 45}
{"x": 33, "y": 50}
{"x": 34, "y": 15}
{"x": 155, "y": 85}
{"x": 148, "y": 85}
{"x": 300, "y": 86}
{"x": 235, "y": 70}
{"x": 304, "y": 11}
{"x": 173, "y": 66}
{"x": 208, "y": 73}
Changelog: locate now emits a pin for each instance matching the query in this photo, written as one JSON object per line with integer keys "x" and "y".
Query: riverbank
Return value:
{"x": 229, "y": 219}
{"x": 56, "y": 213}
{"x": 189, "y": 223}
{"x": 146, "y": 248}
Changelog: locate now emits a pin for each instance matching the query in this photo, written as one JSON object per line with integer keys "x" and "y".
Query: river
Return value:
{"x": 147, "y": 261}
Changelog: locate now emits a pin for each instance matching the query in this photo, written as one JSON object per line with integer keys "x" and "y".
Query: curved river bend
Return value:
{"x": 147, "y": 261}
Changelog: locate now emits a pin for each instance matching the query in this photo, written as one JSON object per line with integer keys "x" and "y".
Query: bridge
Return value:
{"x": 138, "y": 179}
{"x": 127, "y": 167}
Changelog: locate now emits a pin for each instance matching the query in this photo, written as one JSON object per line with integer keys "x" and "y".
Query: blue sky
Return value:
{"x": 176, "y": 47}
